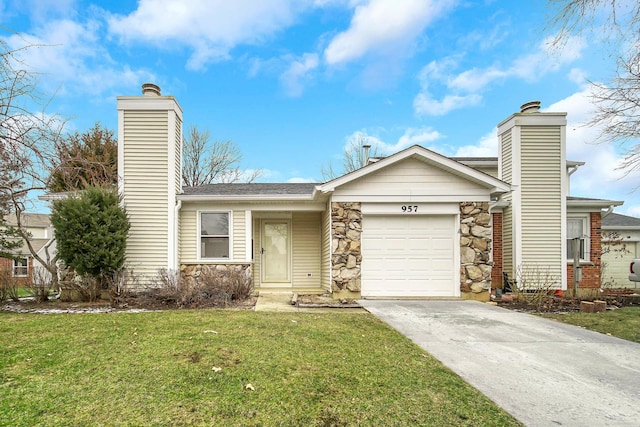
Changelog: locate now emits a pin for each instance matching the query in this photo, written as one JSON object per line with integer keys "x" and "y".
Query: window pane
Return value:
{"x": 574, "y": 228}
{"x": 214, "y": 224}
{"x": 570, "y": 249}
{"x": 21, "y": 267}
{"x": 214, "y": 247}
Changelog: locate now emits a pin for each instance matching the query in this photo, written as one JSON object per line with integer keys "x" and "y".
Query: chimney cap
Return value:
{"x": 530, "y": 107}
{"x": 150, "y": 89}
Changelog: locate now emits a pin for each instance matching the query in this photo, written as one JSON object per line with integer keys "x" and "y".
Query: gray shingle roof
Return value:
{"x": 620, "y": 221}
{"x": 253, "y": 189}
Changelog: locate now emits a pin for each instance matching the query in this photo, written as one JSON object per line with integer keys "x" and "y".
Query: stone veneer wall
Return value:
{"x": 191, "y": 272}
{"x": 346, "y": 255}
{"x": 475, "y": 247}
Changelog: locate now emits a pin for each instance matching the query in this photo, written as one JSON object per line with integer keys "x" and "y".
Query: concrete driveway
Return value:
{"x": 543, "y": 372}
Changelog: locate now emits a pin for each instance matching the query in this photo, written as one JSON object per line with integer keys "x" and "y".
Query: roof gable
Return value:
{"x": 427, "y": 157}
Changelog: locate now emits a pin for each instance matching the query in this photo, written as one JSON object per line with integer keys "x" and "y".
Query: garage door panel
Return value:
{"x": 616, "y": 267}
{"x": 408, "y": 256}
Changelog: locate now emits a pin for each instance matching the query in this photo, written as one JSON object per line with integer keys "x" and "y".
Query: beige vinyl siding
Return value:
{"x": 541, "y": 180}
{"x": 507, "y": 218}
{"x": 325, "y": 257}
{"x": 239, "y": 236}
{"x": 145, "y": 183}
{"x": 179, "y": 238}
{"x": 410, "y": 176}
{"x": 306, "y": 246}
{"x": 188, "y": 235}
{"x": 489, "y": 170}
{"x": 257, "y": 244}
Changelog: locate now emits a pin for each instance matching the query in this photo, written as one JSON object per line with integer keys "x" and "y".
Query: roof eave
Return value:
{"x": 244, "y": 197}
{"x": 603, "y": 204}
{"x": 621, "y": 227}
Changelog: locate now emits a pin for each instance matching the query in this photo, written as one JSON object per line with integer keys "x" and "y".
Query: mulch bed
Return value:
{"x": 554, "y": 304}
{"x": 130, "y": 304}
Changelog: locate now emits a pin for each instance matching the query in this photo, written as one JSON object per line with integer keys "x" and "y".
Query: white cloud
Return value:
{"x": 211, "y": 28}
{"x": 424, "y": 104}
{"x": 301, "y": 180}
{"x": 465, "y": 88}
{"x": 486, "y": 147}
{"x": 411, "y": 136}
{"x": 386, "y": 26}
{"x": 298, "y": 71}
{"x": 73, "y": 59}
{"x": 420, "y": 136}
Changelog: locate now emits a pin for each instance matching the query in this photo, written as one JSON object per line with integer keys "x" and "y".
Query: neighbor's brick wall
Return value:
{"x": 6, "y": 264}
{"x": 590, "y": 273}
{"x": 496, "y": 271}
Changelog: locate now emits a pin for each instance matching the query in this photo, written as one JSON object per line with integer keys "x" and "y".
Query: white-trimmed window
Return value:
{"x": 215, "y": 237}
{"x": 577, "y": 227}
{"x": 20, "y": 267}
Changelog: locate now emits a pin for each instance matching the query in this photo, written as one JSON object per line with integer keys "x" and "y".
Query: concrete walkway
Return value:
{"x": 543, "y": 372}
{"x": 281, "y": 302}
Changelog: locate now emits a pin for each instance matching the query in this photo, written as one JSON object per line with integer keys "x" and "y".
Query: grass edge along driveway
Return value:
{"x": 225, "y": 367}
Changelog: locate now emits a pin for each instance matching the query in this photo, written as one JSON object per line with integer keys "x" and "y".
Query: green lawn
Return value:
{"x": 195, "y": 367}
{"x": 622, "y": 323}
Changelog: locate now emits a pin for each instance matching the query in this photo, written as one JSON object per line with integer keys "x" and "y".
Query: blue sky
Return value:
{"x": 293, "y": 82}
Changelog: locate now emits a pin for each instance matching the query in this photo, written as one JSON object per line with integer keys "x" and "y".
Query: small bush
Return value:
{"x": 8, "y": 286}
{"x": 536, "y": 285}
{"x": 40, "y": 284}
{"x": 212, "y": 287}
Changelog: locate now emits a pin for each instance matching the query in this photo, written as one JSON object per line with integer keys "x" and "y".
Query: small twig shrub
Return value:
{"x": 8, "y": 286}
{"x": 40, "y": 284}
{"x": 536, "y": 285}
{"x": 212, "y": 287}
{"x": 78, "y": 288}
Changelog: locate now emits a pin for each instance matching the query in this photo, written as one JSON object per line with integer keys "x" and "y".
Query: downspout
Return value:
{"x": 605, "y": 214}
{"x": 175, "y": 235}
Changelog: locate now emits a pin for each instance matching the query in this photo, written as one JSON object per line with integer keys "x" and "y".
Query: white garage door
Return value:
{"x": 408, "y": 256}
{"x": 616, "y": 267}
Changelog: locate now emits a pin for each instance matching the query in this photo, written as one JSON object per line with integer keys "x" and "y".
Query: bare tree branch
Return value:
{"x": 617, "y": 102}
{"x": 205, "y": 162}
{"x": 27, "y": 141}
{"x": 356, "y": 155}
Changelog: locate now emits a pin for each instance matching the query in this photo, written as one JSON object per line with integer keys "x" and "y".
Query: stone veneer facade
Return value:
{"x": 346, "y": 255}
{"x": 475, "y": 247}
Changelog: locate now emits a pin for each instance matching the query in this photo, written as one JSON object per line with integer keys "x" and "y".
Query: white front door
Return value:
{"x": 276, "y": 252}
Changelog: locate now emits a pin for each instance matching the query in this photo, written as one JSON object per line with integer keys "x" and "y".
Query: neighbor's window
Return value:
{"x": 577, "y": 228}
{"x": 21, "y": 267}
{"x": 214, "y": 235}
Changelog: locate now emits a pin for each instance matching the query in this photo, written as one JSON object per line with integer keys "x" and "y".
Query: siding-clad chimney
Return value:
{"x": 532, "y": 158}
{"x": 149, "y": 171}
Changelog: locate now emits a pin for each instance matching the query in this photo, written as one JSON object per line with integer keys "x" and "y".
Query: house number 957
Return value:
{"x": 409, "y": 208}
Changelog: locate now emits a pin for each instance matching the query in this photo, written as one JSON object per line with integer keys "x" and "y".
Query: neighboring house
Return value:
{"x": 621, "y": 244}
{"x": 23, "y": 266}
{"x": 414, "y": 224}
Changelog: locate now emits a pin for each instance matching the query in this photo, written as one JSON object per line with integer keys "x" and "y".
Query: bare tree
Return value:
{"x": 617, "y": 102}
{"x": 206, "y": 162}
{"x": 27, "y": 142}
{"x": 356, "y": 155}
